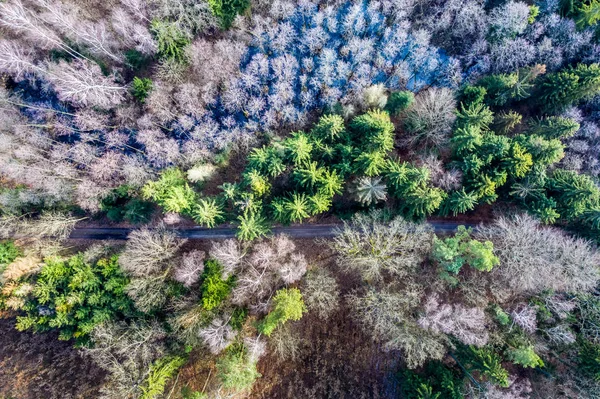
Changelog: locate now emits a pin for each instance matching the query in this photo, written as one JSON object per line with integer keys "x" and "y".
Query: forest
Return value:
{"x": 450, "y": 147}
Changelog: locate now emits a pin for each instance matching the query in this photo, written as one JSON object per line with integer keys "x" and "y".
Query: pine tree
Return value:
{"x": 287, "y": 305}
{"x": 568, "y": 86}
{"x": 207, "y": 212}
{"x": 297, "y": 208}
{"x": 252, "y": 225}
{"x": 459, "y": 202}
{"x": 298, "y": 148}
{"x": 374, "y": 130}
{"x": 309, "y": 175}
{"x": 370, "y": 190}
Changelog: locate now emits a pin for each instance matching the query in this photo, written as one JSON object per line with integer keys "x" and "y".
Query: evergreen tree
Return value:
{"x": 287, "y": 305}
{"x": 374, "y": 131}
{"x": 207, "y": 212}
{"x": 568, "y": 86}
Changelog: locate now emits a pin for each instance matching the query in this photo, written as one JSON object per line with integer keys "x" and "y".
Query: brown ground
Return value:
{"x": 39, "y": 366}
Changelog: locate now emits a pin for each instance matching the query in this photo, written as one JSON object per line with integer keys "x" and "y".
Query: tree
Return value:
{"x": 171, "y": 41}
{"x": 575, "y": 194}
{"x": 252, "y": 225}
{"x": 214, "y": 288}
{"x": 554, "y": 127}
{"x": 207, "y": 212}
{"x": 296, "y": 208}
{"x": 298, "y": 148}
{"x": 309, "y": 175}
{"x": 568, "y": 86}
{"x": 370, "y": 190}
{"x": 535, "y": 258}
{"x": 218, "y": 335}
{"x": 287, "y": 305}
{"x": 236, "y": 370}
{"x": 74, "y": 296}
{"x": 372, "y": 247}
{"x": 161, "y": 371}
{"x": 330, "y": 128}
{"x": 147, "y": 251}
{"x": 459, "y": 202}
{"x": 228, "y": 10}
{"x": 525, "y": 356}
{"x": 374, "y": 131}
{"x": 83, "y": 83}
{"x": 430, "y": 119}
{"x": 454, "y": 252}
{"x": 190, "y": 268}
{"x": 399, "y": 101}
{"x": 321, "y": 292}
{"x": 141, "y": 88}
{"x": 48, "y": 225}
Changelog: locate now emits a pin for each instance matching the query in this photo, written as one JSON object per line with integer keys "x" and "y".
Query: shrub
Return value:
{"x": 227, "y": 10}
{"x": 161, "y": 372}
{"x": 171, "y": 40}
{"x": 236, "y": 371}
{"x": 525, "y": 356}
{"x": 399, "y": 101}
{"x": 214, "y": 289}
{"x": 141, "y": 88}
{"x": 287, "y": 305}
{"x": 452, "y": 253}
{"x": 8, "y": 253}
{"x": 74, "y": 296}
{"x": 589, "y": 359}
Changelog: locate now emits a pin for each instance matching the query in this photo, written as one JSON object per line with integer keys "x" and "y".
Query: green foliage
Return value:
{"x": 171, "y": 192}
{"x": 172, "y": 42}
{"x": 459, "y": 202}
{"x": 501, "y": 316}
{"x": 161, "y": 371}
{"x": 487, "y": 362}
{"x": 136, "y": 60}
{"x": 296, "y": 208}
{"x": 8, "y": 253}
{"x": 589, "y": 359}
{"x": 120, "y": 204}
{"x": 227, "y": 10}
{"x": 287, "y": 305}
{"x": 298, "y": 148}
{"x": 412, "y": 185}
{"x": 188, "y": 393}
{"x": 252, "y": 225}
{"x": 454, "y": 252}
{"x": 525, "y": 356}
{"x": 141, "y": 88}
{"x": 235, "y": 370}
{"x": 207, "y": 212}
{"x": 476, "y": 115}
{"x": 472, "y": 94}
{"x": 214, "y": 289}
{"x": 505, "y": 122}
{"x": 73, "y": 296}
{"x": 554, "y": 127}
{"x": 534, "y": 11}
{"x": 568, "y": 86}
{"x": 374, "y": 131}
{"x": 436, "y": 380}
{"x": 399, "y": 101}
{"x": 575, "y": 194}
{"x": 330, "y": 128}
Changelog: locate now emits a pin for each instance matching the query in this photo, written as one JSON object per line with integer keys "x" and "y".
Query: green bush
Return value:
{"x": 454, "y": 252}
{"x": 214, "y": 289}
{"x": 172, "y": 42}
{"x": 525, "y": 356}
{"x": 227, "y": 10}
{"x": 8, "y": 253}
{"x": 235, "y": 370}
{"x": 120, "y": 204}
{"x": 161, "y": 371}
{"x": 287, "y": 305}
{"x": 487, "y": 362}
{"x": 141, "y": 88}
{"x": 399, "y": 101}
{"x": 73, "y": 296}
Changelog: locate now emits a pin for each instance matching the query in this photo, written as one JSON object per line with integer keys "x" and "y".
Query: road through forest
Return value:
{"x": 199, "y": 233}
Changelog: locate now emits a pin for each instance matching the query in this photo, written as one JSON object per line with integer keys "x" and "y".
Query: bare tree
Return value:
{"x": 468, "y": 325}
{"x": 372, "y": 247}
{"x": 147, "y": 251}
{"x": 286, "y": 342}
{"x": 525, "y": 316}
{"x": 321, "y": 293}
{"x": 191, "y": 267}
{"x": 535, "y": 258}
{"x": 218, "y": 335}
{"x": 429, "y": 120}
{"x": 47, "y": 225}
{"x": 229, "y": 254}
{"x": 83, "y": 83}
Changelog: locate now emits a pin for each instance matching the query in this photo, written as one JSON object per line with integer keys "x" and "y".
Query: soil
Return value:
{"x": 36, "y": 366}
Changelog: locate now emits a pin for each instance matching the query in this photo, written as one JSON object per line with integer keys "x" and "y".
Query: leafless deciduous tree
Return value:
{"x": 147, "y": 250}
{"x": 525, "y": 316}
{"x": 560, "y": 335}
{"x": 321, "y": 292}
{"x": 371, "y": 247}
{"x": 83, "y": 83}
{"x": 229, "y": 254}
{"x": 285, "y": 342}
{"x": 126, "y": 352}
{"x": 467, "y": 324}
{"x": 189, "y": 270}
{"x": 535, "y": 258}
{"x": 47, "y": 225}
{"x": 387, "y": 316}
{"x": 430, "y": 118}
{"x": 218, "y": 335}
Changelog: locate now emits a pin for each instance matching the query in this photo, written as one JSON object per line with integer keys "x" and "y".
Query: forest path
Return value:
{"x": 200, "y": 233}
